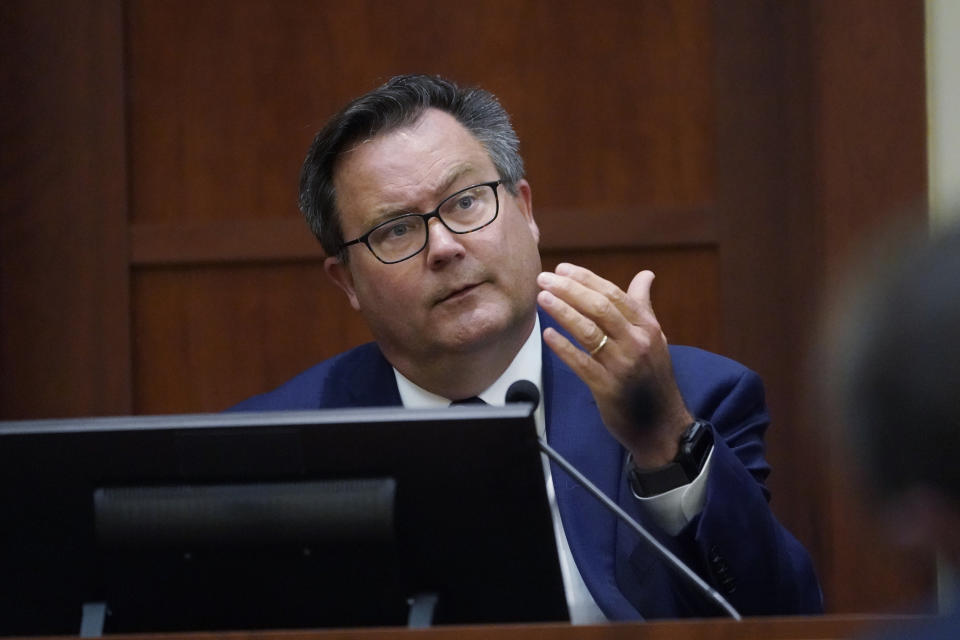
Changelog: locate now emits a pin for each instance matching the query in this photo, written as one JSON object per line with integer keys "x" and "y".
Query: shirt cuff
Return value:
{"x": 674, "y": 509}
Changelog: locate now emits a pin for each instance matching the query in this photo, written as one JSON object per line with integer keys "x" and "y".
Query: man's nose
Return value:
{"x": 442, "y": 244}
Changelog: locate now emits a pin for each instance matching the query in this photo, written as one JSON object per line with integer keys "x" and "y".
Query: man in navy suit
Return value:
{"x": 416, "y": 191}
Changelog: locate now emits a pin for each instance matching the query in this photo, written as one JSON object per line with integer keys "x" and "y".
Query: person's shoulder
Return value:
{"x": 696, "y": 361}
{"x": 316, "y": 387}
{"x": 709, "y": 381}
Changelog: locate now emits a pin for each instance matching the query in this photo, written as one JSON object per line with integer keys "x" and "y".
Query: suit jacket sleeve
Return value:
{"x": 735, "y": 543}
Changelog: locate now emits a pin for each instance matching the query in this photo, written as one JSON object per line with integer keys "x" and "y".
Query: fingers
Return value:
{"x": 631, "y": 308}
{"x": 584, "y": 366}
{"x": 639, "y": 289}
{"x": 587, "y": 313}
{"x": 633, "y": 363}
{"x": 589, "y": 306}
{"x": 584, "y": 328}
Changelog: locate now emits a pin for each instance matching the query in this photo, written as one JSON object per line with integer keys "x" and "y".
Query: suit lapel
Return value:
{"x": 575, "y": 431}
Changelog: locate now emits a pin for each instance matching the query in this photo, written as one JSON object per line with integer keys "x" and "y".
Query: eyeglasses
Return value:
{"x": 405, "y": 236}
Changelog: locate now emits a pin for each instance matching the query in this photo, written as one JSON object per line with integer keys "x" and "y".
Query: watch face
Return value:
{"x": 696, "y": 445}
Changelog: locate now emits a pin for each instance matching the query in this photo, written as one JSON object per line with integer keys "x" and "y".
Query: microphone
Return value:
{"x": 526, "y": 391}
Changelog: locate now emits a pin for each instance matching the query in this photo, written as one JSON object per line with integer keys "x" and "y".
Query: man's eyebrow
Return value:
{"x": 455, "y": 175}
{"x": 444, "y": 186}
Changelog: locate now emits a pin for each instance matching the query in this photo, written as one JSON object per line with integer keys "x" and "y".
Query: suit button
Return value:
{"x": 715, "y": 557}
{"x": 721, "y": 571}
{"x": 729, "y": 585}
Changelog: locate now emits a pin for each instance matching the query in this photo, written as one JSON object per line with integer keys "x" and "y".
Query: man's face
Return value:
{"x": 462, "y": 292}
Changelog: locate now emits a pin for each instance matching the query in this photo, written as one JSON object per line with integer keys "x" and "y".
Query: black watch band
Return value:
{"x": 695, "y": 446}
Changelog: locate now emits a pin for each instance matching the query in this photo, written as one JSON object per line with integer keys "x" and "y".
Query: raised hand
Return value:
{"x": 625, "y": 361}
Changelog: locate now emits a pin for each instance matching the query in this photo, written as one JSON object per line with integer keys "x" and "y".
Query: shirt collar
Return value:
{"x": 526, "y": 365}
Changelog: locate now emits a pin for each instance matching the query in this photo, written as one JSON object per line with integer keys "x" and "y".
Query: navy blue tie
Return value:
{"x": 470, "y": 400}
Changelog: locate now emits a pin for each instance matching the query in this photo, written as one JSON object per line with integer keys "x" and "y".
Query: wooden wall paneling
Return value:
{"x": 871, "y": 153}
{"x": 64, "y": 337}
{"x": 246, "y": 240}
{"x": 209, "y": 336}
{"x": 612, "y": 104}
{"x": 757, "y": 116}
{"x": 820, "y": 139}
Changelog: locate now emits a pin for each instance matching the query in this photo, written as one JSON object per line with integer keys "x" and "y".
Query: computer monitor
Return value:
{"x": 275, "y": 520}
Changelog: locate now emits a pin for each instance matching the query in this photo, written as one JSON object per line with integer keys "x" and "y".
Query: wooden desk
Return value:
{"x": 793, "y": 628}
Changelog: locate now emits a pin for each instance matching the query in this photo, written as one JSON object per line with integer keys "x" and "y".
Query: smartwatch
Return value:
{"x": 695, "y": 446}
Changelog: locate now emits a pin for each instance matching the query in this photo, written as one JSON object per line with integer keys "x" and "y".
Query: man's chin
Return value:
{"x": 473, "y": 330}
{"x": 481, "y": 328}
{"x": 471, "y": 339}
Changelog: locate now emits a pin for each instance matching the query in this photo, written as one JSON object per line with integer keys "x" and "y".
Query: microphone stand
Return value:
{"x": 524, "y": 391}
{"x": 672, "y": 559}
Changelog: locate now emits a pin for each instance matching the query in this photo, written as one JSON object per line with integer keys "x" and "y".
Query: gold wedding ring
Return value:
{"x": 597, "y": 348}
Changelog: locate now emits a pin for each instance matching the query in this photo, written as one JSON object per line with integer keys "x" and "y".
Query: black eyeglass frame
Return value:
{"x": 365, "y": 238}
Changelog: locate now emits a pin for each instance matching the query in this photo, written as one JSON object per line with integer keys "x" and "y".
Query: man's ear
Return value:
{"x": 341, "y": 276}
{"x": 524, "y": 200}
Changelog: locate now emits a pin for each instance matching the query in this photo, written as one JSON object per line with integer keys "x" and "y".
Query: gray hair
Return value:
{"x": 398, "y": 103}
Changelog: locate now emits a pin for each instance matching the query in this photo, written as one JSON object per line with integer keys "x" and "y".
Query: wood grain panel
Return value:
{"x": 765, "y": 179}
{"x": 869, "y": 182}
{"x": 767, "y": 628}
{"x": 821, "y": 136}
{"x": 223, "y": 103}
{"x": 223, "y": 241}
{"x": 64, "y": 337}
{"x": 210, "y": 336}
